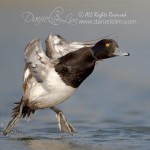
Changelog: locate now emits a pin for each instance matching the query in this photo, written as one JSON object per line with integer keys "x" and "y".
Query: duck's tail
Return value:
{"x": 21, "y": 110}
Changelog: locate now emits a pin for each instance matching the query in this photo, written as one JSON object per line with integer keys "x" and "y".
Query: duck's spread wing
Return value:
{"x": 37, "y": 62}
{"x": 57, "y": 46}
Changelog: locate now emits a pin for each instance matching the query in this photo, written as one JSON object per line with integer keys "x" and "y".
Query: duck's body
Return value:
{"x": 61, "y": 81}
{"x": 50, "y": 92}
{"x": 52, "y": 79}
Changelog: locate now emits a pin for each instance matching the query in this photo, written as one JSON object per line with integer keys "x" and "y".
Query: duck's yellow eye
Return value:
{"x": 107, "y": 44}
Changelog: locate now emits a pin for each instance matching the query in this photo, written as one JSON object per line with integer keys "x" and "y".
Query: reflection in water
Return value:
{"x": 60, "y": 145}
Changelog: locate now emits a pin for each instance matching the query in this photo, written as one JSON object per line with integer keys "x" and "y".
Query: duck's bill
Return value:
{"x": 118, "y": 52}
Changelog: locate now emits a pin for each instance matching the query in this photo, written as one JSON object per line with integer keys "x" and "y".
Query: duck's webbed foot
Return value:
{"x": 63, "y": 123}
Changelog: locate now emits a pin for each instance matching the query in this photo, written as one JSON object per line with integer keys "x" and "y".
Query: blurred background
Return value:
{"x": 113, "y": 101}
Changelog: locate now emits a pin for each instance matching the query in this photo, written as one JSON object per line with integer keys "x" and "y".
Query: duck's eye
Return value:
{"x": 107, "y": 45}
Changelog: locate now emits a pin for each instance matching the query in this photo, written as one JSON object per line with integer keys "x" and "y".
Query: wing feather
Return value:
{"x": 57, "y": 46}
{"x": 36, "y": 60}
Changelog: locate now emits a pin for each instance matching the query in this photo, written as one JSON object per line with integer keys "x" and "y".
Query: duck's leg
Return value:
{"x": 63, "y": 123}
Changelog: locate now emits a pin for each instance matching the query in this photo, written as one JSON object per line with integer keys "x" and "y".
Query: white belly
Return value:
{"x": 51, "y": 92}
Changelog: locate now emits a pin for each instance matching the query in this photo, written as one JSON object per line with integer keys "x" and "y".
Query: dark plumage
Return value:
{"x": 76, "y": 66}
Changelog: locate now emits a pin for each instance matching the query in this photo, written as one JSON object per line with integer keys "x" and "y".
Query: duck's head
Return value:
{"x": 107, "y": 48}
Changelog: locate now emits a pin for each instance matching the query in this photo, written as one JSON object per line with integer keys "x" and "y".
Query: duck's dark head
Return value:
{"x": 107, "y": 48}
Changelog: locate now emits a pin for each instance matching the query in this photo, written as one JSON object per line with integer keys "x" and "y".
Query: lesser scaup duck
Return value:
{"x": 51, "y": 78}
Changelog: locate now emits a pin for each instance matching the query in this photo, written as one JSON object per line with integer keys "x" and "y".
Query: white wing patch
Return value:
{"x": 26, "y": 74}
{"x": 57, "y": 46}
{"x": 36, "y": 60}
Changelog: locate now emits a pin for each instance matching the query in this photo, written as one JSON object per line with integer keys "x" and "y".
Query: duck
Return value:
{"x": 53, "y": 76}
